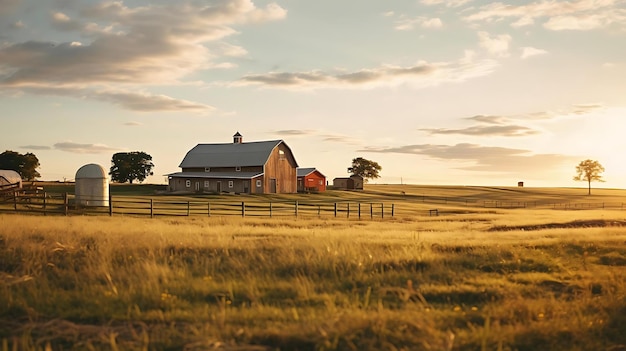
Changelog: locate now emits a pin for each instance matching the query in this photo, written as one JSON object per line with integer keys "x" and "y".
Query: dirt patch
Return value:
{"x": 594, "y": 223}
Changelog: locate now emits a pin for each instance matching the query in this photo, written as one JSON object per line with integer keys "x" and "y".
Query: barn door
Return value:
{"x": 273, "y": 185}
{"x": 219, "y": 187}
{"x": 197, "y": 186}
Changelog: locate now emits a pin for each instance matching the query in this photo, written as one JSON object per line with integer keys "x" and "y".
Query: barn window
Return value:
{"x": 238, "y": 169}
{"x": 206, "y": 183}
{"x": 281, "y": 154}
{"x": 207, "y": 169}
{"x": 321, "y": 182}
{"x": 258, "y": 183}
{"x": 188, "y": 183}
{"x": 231, "y": 184}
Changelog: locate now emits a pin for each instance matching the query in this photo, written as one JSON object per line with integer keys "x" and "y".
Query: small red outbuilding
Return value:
{"x": 310, "y": 179}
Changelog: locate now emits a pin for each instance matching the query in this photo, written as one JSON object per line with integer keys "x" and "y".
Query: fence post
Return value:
{"x": 335, "y": 209}
{"x": 188, "y": 208}
{"x": 371, "y": 210}
{"x": 319, "y": 210}
{"x": 296, "y": 204}
{"x": 110, "y": 205}
{"x": 382, "y": 210}
{"x": 65, "y": 203}
{"x": 208, "y": 209}
{"x": 151, "y": 208}
{"x": 15, "y": 201}
{"x": 359, "y": 208}
{"x": 243, "y": 209}
{"x": 393, "y": 209}
{"x": 270, "y": 209}
{"x": 44, "y": 203}
{"x": 348, "y": 210}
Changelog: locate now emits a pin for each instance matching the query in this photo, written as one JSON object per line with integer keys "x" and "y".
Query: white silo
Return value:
{"x": 92, "y": 186}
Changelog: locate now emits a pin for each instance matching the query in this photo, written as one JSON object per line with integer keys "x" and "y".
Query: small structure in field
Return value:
{"x": 10, "y": 180}
{"x": 310, "y": 179}
{"x": 92, "y": 186}
{"x": 354, "y": 182}
{"x": 520, "y": 184}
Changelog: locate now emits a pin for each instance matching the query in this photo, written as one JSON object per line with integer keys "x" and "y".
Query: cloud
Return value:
{"x": 406, "y": 24}
{"x": 497, "y": 45}
{"x": 488, "y": 119}
{"x": 582, "y": 109}
{"x": 507, "y": 131}
{"x": 294, "y": 132}
{"x": 578, "y": 22}
{"x": 131, "y": 100}
{"x": 421, "y": 74}
{"x": 448, "y": 3}
{"x": 130, "y": 46}
{"x": 77, "y": 148}
{"x": 35, "y": 147}
{"x": 484, "y": 158}
{"x": 133, "y": 124}
{"x": 149, "y": 102}
{"x": 559, "y": 15}
{"x": 530, "y": 52}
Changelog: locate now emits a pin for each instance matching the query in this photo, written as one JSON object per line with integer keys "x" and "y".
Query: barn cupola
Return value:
{"x": 237, "y": 138}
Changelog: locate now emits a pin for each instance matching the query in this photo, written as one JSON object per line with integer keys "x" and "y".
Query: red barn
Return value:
{"x": 310, "y": 179}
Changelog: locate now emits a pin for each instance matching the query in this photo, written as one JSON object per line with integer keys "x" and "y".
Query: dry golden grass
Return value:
{"x": 410, "y": 283}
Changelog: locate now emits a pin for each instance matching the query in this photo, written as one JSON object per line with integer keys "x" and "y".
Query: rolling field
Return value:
{"x": 476, "y": 277}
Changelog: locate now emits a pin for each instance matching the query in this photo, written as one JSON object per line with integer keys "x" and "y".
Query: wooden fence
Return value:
{"x": 64, "y": 204}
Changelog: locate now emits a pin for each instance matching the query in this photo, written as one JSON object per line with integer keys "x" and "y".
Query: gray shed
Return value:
{"x": 92, "y": 186}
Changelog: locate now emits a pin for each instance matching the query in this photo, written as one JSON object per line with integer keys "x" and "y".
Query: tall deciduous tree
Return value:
{"x": 26, "y": 165}
{"x": 130, "y": 166}
{"x": 365, "y": 168}
{"x": 588, "y": 171}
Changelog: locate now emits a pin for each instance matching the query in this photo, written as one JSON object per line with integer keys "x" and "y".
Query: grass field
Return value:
{"x": 473, "y": 278}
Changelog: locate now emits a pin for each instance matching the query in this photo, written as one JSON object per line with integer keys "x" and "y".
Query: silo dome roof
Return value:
{"x": 91, "y": 170}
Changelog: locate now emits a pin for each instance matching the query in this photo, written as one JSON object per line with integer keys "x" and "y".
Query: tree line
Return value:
{"x": 138, "y": 165}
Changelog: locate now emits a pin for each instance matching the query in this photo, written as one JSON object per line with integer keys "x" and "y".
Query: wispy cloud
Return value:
{"x": 530, "y": 52}
{"x": 506, "y": 131}
{"x": 405, "y": 24}
{"x": 497, "y": 45}
{"x": 133, "y": 124}
{"x": 447, "y": 3}
{"x": 78, "y": 148}
{"x": 421, "y": 74}
{"x": 484, "y": 158}
{"x": 35, "y": 147}
{"x": 558, "y": 15}
{"x": 131, "y": 100}
{"x": 294, "y": 132}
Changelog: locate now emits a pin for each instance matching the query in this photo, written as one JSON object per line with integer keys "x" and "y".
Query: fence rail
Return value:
{"x": 49, "y": 203}
{"x": 67, "y": 204}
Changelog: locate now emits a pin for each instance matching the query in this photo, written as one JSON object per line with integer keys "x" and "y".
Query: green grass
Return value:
{"x": 470, "y": 279}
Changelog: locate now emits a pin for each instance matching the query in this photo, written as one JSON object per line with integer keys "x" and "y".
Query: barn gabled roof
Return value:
{"x": 230, "y": 155}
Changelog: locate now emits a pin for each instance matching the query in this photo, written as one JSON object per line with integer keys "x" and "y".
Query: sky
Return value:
{"x": 457, "y": 92}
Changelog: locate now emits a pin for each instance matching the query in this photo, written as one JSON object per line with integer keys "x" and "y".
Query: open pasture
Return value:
{"x": 472, "y": 278}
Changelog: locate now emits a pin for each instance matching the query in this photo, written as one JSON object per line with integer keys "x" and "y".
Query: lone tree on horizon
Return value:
{"x": 588, "y": 171}
{"x": 365, "y": 168}
{"x": 128, "y": 166}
